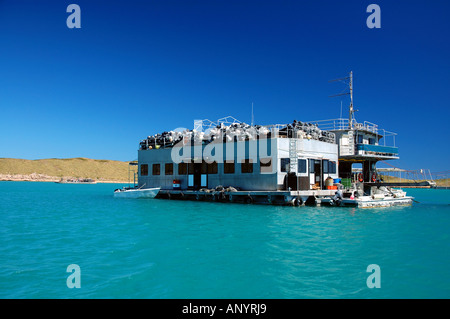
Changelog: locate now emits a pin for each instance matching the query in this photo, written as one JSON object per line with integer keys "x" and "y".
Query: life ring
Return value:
{"x": 374, "y": 177}
{"x": 360, "y": 177}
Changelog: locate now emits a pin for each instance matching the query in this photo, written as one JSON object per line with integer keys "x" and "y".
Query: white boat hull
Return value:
{"x": 368, "y": 201}
{"x": 136, "y": 193}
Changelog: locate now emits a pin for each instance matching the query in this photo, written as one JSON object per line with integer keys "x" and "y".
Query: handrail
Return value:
{"x": 343, "y": 124}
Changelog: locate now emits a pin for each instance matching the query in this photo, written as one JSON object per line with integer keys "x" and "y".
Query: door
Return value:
{"x": 197, "y": 175}
{"x": 292, "y": 181}
{"x": 318, "y": 174}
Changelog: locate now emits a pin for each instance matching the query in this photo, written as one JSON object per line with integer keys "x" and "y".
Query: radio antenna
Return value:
{"x": 348, "y": 81}
{"x": 252, "y": 115}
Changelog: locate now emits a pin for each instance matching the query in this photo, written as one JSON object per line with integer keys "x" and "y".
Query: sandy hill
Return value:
{"x": 57, "y": 168}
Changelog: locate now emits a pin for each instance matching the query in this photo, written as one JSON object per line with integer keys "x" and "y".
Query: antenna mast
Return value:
{"x": 351, "y": 111}
{"x": 349, "y": 81}
{"x": 252, "y": 114}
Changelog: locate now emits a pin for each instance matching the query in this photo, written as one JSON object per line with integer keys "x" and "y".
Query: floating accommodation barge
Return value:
{"x": 233, "y": 161}
{"x": 287, "y": 164}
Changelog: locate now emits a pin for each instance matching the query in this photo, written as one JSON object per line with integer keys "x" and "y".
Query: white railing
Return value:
{"x": 343, "y": 124}
{"x": 203, "y": 125}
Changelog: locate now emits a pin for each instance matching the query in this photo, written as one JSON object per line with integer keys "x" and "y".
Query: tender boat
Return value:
{"x": 135, "y": 191}
{"x": 383, "y": 197}
{"x": 76, "y": 181}
{"x": 127, "y": 192}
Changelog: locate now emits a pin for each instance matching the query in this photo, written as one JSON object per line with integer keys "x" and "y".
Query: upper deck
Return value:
{"x": 360, "y": 140}
{"x": 229, "y": 129}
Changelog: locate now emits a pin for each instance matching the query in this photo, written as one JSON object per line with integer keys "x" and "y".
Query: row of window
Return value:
{"x": 327, "y": 167}
{"x": 207, "y": 168}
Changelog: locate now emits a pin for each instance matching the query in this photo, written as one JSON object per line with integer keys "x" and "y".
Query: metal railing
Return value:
{"x": 343, "y": 124}
{"x": 201, "y": 125}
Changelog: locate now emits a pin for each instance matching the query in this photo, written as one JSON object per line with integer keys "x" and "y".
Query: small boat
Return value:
{"x": 384, "y": 198}
{"x": 127, "y": 192}
{"x": 135, "y": 191}
{"x": 76, "y": 181}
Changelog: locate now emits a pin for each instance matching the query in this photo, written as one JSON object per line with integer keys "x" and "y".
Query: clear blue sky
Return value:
{"x": 136, "y": 68}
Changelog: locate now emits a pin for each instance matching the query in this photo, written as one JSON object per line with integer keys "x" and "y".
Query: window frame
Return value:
{"x": 229, "y": 167}
{"x": 247, "y": 166}
{"x": 311, "y": 165}
{"x": 156, "y": 172}
{"x": 304, "y": 166}
{"x": 332, "y": 167}
{"x": 212, "y": 168}
{"x": 284, "y": 167}
{"x": 142, "y": 170}
{"x": 182, "y": 168}
{"x": 166, "y": 171}
{"x": 325, "y": 166}
{"x": 265, "y": 168}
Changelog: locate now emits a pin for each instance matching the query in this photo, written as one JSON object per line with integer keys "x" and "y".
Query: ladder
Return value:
{"x": 351, "y": 143}
{"x": 293, "y": 162}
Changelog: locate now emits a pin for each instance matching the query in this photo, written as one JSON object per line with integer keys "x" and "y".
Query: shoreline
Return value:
{"x": 46, "y": 178}
{"x": 55, "y": 181}
{"x": 54, "y": 169}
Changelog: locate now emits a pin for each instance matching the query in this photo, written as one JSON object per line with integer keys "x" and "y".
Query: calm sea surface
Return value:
{"x": 180, "y": 249}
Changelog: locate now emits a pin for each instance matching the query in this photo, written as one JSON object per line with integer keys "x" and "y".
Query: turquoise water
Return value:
{"x": 182, "y": 249}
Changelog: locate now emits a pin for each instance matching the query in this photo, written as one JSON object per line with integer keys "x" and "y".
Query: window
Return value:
{"x": 311, "y": 165}
{"x": 247, "y": 166}
{"x": 144, "y": 169}
{"x": 325, "y": 166}
{"x": 360, "y": 139}
{"x": 285, "y": 164}
{"x": 332, "y": 167}
{"x": 191, "y": 168}
{"x": 302, "y": 166}
{"x": 168, "y": 169}
{"x": 265, "y": 165}
{"x": 212, "y": 168}
{"x": 228, "y": 167}
{"x": 182, "y": 168}
{"x": 204, "y": 168}
{"x": 156, "y": 169}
